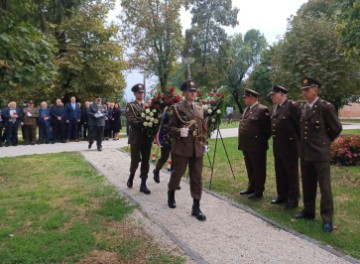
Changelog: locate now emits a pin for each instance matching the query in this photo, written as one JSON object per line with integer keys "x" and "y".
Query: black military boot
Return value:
{"x": 196, "y": 211}
{"x": 144, "y": 188}
{"x": 171, "y": 199}
{"x": 130, "y": 180}
{"x": 156, "y": 175}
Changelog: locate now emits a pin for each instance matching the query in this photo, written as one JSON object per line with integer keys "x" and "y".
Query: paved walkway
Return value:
{"x": 230, "y": 234}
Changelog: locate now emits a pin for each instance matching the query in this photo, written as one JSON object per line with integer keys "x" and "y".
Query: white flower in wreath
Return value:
{"x": 145, "y": 124}
{"x": 154, "y": 110}
{"x": 142, "y": 114}
{"x": 156, "y": 121}
{"x": 151, "y": 114}
{"x": 213, "y": 120}
{"x": 218, "y": 111}
{"x": 147, "y": 110}
{"x": 209, "y": 111}
{"x": 152, "y": 119}
{"x": 205, "y": 106}
{"x": 147, "y": 117}
{"x": 150, "y": 124}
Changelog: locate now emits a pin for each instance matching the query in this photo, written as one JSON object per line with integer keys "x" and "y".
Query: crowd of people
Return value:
{"x": 300, "y": 132}
{"x": 58, "y": 123}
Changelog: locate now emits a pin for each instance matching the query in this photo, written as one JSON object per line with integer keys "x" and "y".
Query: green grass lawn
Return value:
{"x": 350, "y": 121}
{"x": 57, "y": 209}
{"x": 345, "y": 183}
{"x": 351, "y": 132}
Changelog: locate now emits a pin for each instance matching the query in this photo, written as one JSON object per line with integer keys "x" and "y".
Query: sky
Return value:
{"x": 269, "y": 17}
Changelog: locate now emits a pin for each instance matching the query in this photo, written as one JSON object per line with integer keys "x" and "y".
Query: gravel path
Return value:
{"x": 230, "y": 234}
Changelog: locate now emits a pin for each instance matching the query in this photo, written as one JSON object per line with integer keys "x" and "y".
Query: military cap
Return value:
{"x": 249, "y": 92}
{"x": 138, "y": 88}
{"x": 188, "y": 86}
{"x": 98, "y": 96}
{"x": 277, "y": 89}
{"x": 309, "y": 82}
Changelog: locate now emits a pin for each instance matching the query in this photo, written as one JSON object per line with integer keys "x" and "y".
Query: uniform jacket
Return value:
{"x": 285, "y": 125}
{"x": 97, "y": 121}
{"x": 30, "y": 120}
{"x": 137, "y": 134}
{"x": 70, "y": 113}
{"x": 255, "y": 129}
{"x": 193, "y": 145}
{"x": 6, "y": 116}
{"x": 320, "y": 126}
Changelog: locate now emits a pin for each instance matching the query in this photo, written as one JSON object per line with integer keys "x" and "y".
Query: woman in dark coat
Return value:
{"x": 116, "y": 121}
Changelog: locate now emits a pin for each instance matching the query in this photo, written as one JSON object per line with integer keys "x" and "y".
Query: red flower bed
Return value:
{"x": 345, "y": 150}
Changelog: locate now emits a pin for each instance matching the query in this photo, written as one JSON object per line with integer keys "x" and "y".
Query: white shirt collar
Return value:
{"x": 313, "y": 102}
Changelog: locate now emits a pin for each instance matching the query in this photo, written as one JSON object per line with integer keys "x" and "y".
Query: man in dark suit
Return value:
{"x": 72, "y": 118}
{"x": 57, "y": 113}
{"x": 320, "y": 126}
{"x": 96, "y": 115}
{"x": 187, "y": 128}
{"x": 12, "y": 116}
{"x": 254, "y": 133}
{"x": 140, "y": 143}
{"x": 285, "y": 132}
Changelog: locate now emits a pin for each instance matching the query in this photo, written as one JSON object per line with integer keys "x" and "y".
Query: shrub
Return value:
{"x": 345, "y": 150}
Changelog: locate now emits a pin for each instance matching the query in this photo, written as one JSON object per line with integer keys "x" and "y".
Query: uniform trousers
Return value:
{"x": 96, "y": 133}
{"x": 255, "y": 162}
{"x": 140, "y": 152}
{"x": 195, "y": 171}
{"x": 165, "y": 153}
{"x": 313, "y": 173}
{"x": 30, "y": 133}
{"x": 287, "y": 178}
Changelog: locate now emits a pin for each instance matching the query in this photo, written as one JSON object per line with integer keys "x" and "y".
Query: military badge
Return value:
{"x": 305, "y": 81}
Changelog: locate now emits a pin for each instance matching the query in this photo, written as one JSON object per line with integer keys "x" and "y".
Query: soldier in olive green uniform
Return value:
{"x": 285, "y": 132}
{"x": 320, "y": 126}
{"x": 254, "y": 133}
{"x": 140, "y": 143}
{"x": 187, "y": 127}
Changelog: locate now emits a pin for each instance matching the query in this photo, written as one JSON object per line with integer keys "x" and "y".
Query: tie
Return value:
{"x": 142, "y": 105}
{"x": 307, "y": 107}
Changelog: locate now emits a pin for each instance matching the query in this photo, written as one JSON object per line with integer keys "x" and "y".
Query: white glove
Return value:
{"x": 22, "y": 123}
{"x": 184, "y": 132}
{"x": 29, "y": 114}
{"x": 206, "y": 148}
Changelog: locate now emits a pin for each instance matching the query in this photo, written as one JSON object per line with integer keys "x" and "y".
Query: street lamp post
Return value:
{"x": 188, "y": 61}
{"x": 145, "y": 76}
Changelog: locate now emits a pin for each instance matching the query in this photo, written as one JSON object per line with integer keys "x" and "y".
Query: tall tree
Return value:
{"x": 152, "y": 32}
{"x": 92, "y": 63}
{"x": 237, "y": 59}
{"x": 26, "y": 56}
{"x": 207, "y": 34}
{"x": 348, "y": 18}
{"x": 310, "y": 49}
